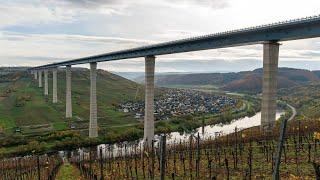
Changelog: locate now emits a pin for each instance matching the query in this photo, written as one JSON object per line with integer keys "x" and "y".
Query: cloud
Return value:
{"x": 177, "y": 34}
{"x": 215, "y": 4}
{"x": 93, "y": 6}
{"x": 39, "y": 49}
{"x": 17, "y": 13}
{"x": 39, "y": 12}
{"x": 71, "y": 37}
{"x": 90, "y": 3}
{"x": 25, "y": 60}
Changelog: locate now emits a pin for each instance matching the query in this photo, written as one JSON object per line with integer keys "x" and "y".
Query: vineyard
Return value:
{"x": 30, "y": 168}
{"x": 246, "y": 154}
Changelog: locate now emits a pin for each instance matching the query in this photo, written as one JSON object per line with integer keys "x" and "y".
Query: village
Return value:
{"x": 179, "y": 102}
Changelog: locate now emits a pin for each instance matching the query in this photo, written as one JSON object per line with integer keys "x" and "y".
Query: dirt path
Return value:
{"x": 69, "y": 172}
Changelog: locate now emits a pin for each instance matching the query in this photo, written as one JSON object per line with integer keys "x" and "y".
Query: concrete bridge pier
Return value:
{"x": 93, "y": 126}
{"x": 40, "y": 78}
{"x": 149, "y": 99}
{"x": 68, "y": 92}
{"x": 35, "y": 75}
{"x": 269, "y": 86}
{"x": 46, "y": 91}
{"x": 54, "y": 85}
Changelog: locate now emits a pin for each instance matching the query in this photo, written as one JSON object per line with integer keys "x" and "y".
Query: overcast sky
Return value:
{"x": 37, "y": 32}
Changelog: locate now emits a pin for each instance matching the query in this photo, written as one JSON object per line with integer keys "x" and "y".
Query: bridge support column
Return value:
{"x": 68, "y": 92}
{"x": 40, "y": 78}
{"x": 54, "y": 86}
{"x": 93, "y": 126}
{"x": 149, "y": 99}
{"x": 269, "y": 86}
{"x": 35, "y": 73}
{"x": 46, "y": 91}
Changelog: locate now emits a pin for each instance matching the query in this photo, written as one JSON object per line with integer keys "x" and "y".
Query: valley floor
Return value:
{"x": 29, "y": 121}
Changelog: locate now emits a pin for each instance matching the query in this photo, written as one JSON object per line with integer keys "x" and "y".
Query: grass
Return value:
{"x": 34, "y": 112}
{"x": 68, "y": 172}
{"x": 6, "y": 121}
{"x": 60, "y": 125}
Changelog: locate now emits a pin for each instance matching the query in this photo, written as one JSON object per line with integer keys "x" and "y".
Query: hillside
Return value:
{"x": 317, "y": 73}
{"x": 23, "y": 105}
{"x": 29, "y": 121}
{"x": 306, "y": 99}
{"x": 198, "y": 79}
{"x": 246, "y": 81}
{"x": 8, "y": 70}
{"x": 287, "y": 77}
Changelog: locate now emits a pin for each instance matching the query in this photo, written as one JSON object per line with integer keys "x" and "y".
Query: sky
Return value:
{"x": 38, "y": 32}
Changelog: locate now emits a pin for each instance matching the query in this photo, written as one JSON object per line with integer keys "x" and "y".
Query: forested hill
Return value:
{"x": 246, "y": 81}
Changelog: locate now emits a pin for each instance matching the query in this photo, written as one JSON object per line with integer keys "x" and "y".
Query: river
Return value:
{"x": 210, "y": 131}
{"x": 222, "y": 129}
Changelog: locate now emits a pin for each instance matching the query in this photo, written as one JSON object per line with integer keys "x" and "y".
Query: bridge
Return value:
{"x": 269, "y": 35}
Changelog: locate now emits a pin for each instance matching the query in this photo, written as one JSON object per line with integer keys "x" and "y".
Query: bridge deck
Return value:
{"x": 282, "y": 31}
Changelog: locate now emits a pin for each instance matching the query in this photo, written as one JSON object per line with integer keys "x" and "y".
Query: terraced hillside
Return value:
{"x": 23, "y": 107}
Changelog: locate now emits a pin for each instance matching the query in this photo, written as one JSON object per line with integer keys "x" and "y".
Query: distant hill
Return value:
{"x": 246, "y": 81}
{"x": 8, "y": 70}
{"x": 317, "y": 73}
{"x": 129, "y": 75}
{"x": 198, "y": 79}
{"x": 287, "y": 77}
